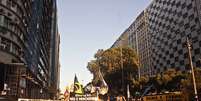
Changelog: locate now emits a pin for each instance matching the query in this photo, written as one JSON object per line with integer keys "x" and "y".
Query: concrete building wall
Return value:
{"x": 171, "y": 22}
{"x": 12, "y": 30}
{"x": 122, "y": 40}
{"x": 159, "y": 33}
{"x": 139, "y": 40}
{"x": 12, "y": 42}
{"x": 7, "y": 58}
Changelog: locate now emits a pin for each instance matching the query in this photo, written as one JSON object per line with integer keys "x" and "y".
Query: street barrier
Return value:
{"x": 21, "y": 99}
{"x": 84, "y": 98}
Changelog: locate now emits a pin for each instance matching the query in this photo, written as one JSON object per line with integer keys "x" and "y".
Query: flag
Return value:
{"x": 66, "y": 94}
{"x": 128, "y": 91}
{"x": 78, "y": 88}
{"x": 103, "y": 86}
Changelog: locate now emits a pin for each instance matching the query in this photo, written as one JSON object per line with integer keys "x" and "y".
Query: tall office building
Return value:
{"x": 29, "y": 42}
{"x": 54, "y": 56}
{"x": 139, "y": 37}
{"x": 13, "y": 27}
{"x": 122, "y": 40}
{"x": 170, "y": 23}
{"x": 159, "y": 35}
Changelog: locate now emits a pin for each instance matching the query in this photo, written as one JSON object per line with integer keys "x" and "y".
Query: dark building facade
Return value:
{"x": 28, "y": 30}
{"x": 170, "y": 23}
{"x": 54, "y": 55}
{"x": 13, "y": 29}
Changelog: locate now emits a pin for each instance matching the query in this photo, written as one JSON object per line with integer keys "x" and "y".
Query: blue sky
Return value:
{"x": 88, "y": 25}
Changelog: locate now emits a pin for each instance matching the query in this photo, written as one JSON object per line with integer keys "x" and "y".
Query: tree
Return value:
{"x": 169, "y": 80}
{"x": 93, "y": 67}
{"x": 109, "y": 63}
{"x": 187, "y": 83}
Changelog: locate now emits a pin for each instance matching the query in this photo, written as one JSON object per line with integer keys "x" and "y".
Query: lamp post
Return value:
{"x": 138, "y": 59}
{"x": 122, "y": 71}
{"x": 192, "y": 69}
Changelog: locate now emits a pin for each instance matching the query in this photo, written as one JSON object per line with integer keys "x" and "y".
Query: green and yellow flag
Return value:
{"x": 78, "y": 88}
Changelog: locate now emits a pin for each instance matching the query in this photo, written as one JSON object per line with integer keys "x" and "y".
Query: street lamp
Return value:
{"x": 192, "y": 69}
{"x": 122, "y": 71}
{"x": 138, "y": 59}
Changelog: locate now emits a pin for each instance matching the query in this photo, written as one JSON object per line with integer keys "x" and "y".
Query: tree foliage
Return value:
{"x": 175, "y": 80}
{"x": 169, "y": 80}
{"x": 109, "y": 62}
{"x": 187, "y": 83}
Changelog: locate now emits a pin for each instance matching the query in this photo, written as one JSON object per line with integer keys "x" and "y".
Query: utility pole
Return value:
{"x": 192, "y": 69}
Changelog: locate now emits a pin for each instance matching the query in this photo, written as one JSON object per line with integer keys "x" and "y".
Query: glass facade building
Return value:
{"x": 29, "y": 48}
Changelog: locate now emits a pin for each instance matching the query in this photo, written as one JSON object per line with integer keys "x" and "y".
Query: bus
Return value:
{"x": 170, "y": 96}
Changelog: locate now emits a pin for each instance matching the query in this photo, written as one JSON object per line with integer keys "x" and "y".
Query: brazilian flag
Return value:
{"x": 78, "y": 88}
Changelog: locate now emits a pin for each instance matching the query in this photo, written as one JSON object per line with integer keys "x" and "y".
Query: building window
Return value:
{"x": 185, "y": 15}
{"x": 9, "y": 2}
{"x": 5, "y": 44}
{"x": 186, "y": 26}
{"x": 1, "y": 20}
{"x": 189, "y": 6}
{"x": 183, "y": 5}
{"x": 2, "y": 30}
{"x": 197, "y": 51}
{"x": 13, "y": 5}
{"x": 7, "y": 22}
